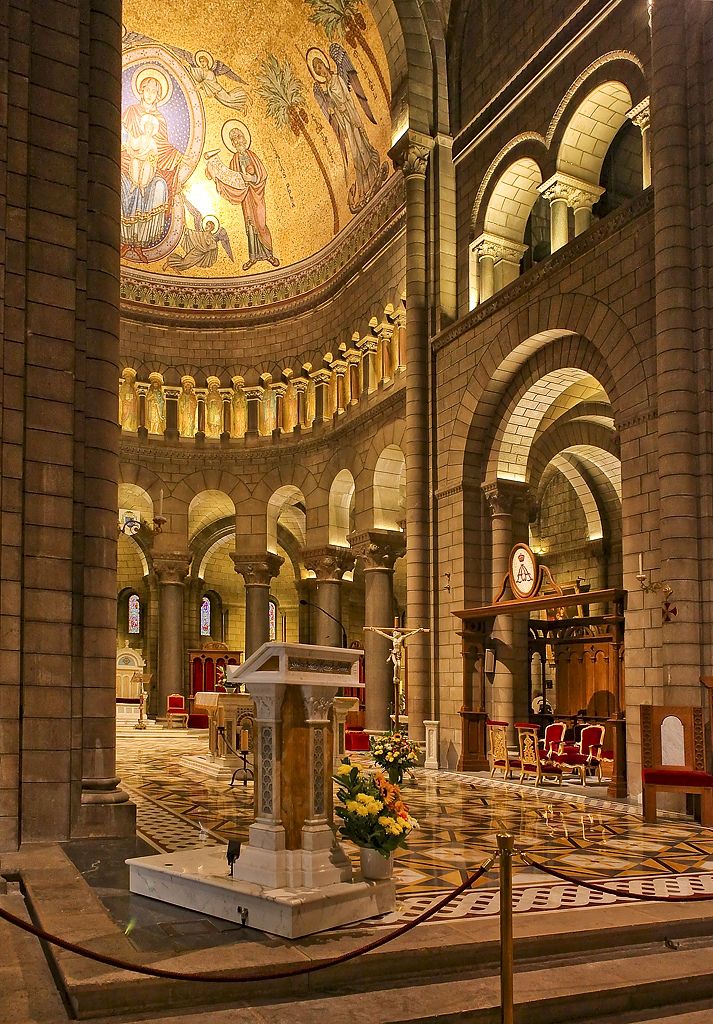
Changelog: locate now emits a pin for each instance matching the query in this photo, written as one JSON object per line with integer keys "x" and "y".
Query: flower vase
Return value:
{"x": 396, "y": 774}
{"x": 374, "y": 867}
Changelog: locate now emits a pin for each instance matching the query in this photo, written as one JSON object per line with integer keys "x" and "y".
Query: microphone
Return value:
{"x": 308, "y": 604}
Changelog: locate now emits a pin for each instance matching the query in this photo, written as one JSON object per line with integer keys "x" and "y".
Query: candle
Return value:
{"x": 641, "y": 564}
{"x": 160, "y": 503}
{"x": 244, "y": 741}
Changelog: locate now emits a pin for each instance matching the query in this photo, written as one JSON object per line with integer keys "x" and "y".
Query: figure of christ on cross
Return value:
{"x": 398, "y": 636}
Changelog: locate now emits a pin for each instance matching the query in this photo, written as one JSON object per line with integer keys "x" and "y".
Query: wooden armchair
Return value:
{"x": 673, "y": 757}
{"x": 498, "y": 754}
{"x": 532, "y": 760}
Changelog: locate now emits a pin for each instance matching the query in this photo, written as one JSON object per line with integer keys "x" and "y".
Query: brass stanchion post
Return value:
{"x": 506, "y": 845}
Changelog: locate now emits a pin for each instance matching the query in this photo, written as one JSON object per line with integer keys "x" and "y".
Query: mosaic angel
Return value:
{"x": 206, "y": 71}
{"x": 201, "y": 242}
{"x": 335, "y": 88}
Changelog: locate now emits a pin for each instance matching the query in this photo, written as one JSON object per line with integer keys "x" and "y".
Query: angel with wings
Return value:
{"x": 200, "y": 242}
{"x": 205, "y": 71}
{"x": 336, "y": 90}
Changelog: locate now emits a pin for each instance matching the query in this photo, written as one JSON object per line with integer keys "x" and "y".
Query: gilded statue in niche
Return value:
{"x": 238, "y": 410}
{"x": 155, "y": 405}
{"x": 187, "y": 408}
{"x": 243, "y": 184}
{"x": 334, "y": 90}
{"x": 213, "y": 408}
{"x": 129, "y": 400}
{"x": 162, "y": 130}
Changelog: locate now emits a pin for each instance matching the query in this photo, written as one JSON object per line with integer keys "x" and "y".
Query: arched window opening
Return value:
{"x": 134, "y": 614}
{"x": 205, "y": 616}
{"x": 622, "y": 175}
{"x": 272, "y": 619}
{"x": 537, "y": 235}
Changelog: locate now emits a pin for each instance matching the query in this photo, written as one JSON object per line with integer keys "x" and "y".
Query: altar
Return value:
{"x": 293, "y": 877}
{"x": 230, "y": 732}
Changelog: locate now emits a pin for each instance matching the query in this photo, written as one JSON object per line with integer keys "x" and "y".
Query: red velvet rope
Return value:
{"x": 266, "y": 975}
{"x": 691, "y": 898}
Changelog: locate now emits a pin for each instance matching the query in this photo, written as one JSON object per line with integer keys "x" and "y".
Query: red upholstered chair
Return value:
{"x": 532, "y": 760}
{"x": 498, "y": 754}
{"x": 176, "y": 710}
{"x": 586, "y": 754}
{"x": 554, "y": 737}
{"x": 673, "y": 757}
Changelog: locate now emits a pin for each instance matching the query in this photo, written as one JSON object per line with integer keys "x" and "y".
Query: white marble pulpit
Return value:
{"x": 292, "y": 877}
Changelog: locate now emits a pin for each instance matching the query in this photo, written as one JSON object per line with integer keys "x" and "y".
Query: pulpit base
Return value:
{"x": 199, "y": 880}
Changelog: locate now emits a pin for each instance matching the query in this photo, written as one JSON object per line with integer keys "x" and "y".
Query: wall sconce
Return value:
{"x": 130, "y": 525}
{"x": 447, "y": 585}
{"x": 650, "y": 586}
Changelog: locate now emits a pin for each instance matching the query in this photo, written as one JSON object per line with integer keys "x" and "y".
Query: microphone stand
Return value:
{"x": 309, "y": 604}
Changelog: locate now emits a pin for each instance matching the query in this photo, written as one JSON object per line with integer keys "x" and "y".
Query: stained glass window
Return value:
{"x": 205, "y": 616}
{"x": 134, "y": 614}
{"x": 272, "y": 619}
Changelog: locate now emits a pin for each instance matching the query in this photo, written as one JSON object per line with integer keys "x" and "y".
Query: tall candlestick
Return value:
{"x": 641, "y": 564}
{"x": 160, "y": 504}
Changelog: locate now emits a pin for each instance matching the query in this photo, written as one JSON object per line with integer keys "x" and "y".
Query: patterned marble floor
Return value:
{"x": 583, "y": 836}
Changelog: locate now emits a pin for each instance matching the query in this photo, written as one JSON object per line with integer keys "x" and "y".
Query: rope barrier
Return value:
{"x": 690, "y": 898}
{"x": 208, "y": 976}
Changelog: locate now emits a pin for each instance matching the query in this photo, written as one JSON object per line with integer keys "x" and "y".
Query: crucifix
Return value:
{"x": 398, "y": 636}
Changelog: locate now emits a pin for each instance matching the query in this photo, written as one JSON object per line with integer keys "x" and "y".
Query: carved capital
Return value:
{"x": 318, "y": 703}
{"x": 171, "y": 568}
{"x": 415, "y": 161}
{"x": 257, "y": 569}
{"x": 329, "y": 562}
{"x": 378, "y": 549}
{"x": 640, "y": 115}
{"x": 503, "y": 495}
{"x": 498, "y": 248}
{"x": 576, "y": 193}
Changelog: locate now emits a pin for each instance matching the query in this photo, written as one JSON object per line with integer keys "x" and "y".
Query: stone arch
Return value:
{"x": 590, "y": 130}
{"x": 341, "y": 496}
{"x": 570, "y": 329}
{"x": 390, "y": 489}
{"x": 207, "y": 507}
{"x": 512, "y": 199}
{"x": 285, "y": 507}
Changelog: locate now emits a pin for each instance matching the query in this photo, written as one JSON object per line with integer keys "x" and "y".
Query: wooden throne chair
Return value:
{"x": 673, "y": 758}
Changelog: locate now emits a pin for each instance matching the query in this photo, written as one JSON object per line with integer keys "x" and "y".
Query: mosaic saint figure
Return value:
{"x": 155, "y": 405}
{"x": 129, "y": 400}
{"x": 149, "y": 166}
{"x": 243, "y": 184}
{"x": 213, "y": 409}
{"x": 335, "y": 89}
{"x": 187, "y": 408}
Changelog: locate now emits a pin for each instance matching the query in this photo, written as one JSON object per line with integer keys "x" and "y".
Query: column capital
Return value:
{"x": 503, "y": 495}
{"x": 378, "y": 549}
{"x": 257, "y": 569}
{"x": 575, "y": 192}
{"x": 640, "y": 115}
{"x": 411, "y": 152}
{"x": 329, "y": 562}
{"x": 171, "y": 568}
{"x": 498, "y": 248}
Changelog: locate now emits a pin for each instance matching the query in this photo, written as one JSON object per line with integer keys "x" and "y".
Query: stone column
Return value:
{"x": 316, "y": 831}
{"x": 677, "y": 381}
{"x": 257, "y": 571}
{"x": 171, "y": 570}
{"x": 300, "y": 386}
{"x": 640, "y": 116}
{"x": 340, "y": 368}
{"x": 557, "y": 195}
{"x": 322, "y": 379}
{"x": 369, "y": 378}
{"x": 582, "y": 201}
{"x": 412, "y": 152}
{"x": 352, "y": 357}
{"x": 329, "y": 565}
{"x": 378, "y": 550}
{"x": 103, "y": 808}
{"x": 280, "y": 389}
{"x": 253, "y": 397}
{"x": 508, "y": 504}
{"x": 385, "y": 332}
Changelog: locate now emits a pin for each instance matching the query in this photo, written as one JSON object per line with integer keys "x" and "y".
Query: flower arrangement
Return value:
{"x": 395, "y": 753}
{"x": 372, "y": 811}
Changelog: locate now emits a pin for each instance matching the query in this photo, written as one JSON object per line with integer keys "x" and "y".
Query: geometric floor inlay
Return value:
{"x": 586, "y": 837}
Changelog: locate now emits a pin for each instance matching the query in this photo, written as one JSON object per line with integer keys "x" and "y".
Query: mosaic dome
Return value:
{"x": 254, "y": 138}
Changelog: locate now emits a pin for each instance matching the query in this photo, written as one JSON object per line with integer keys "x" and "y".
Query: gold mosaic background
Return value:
{"x": 298, "y": 79}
